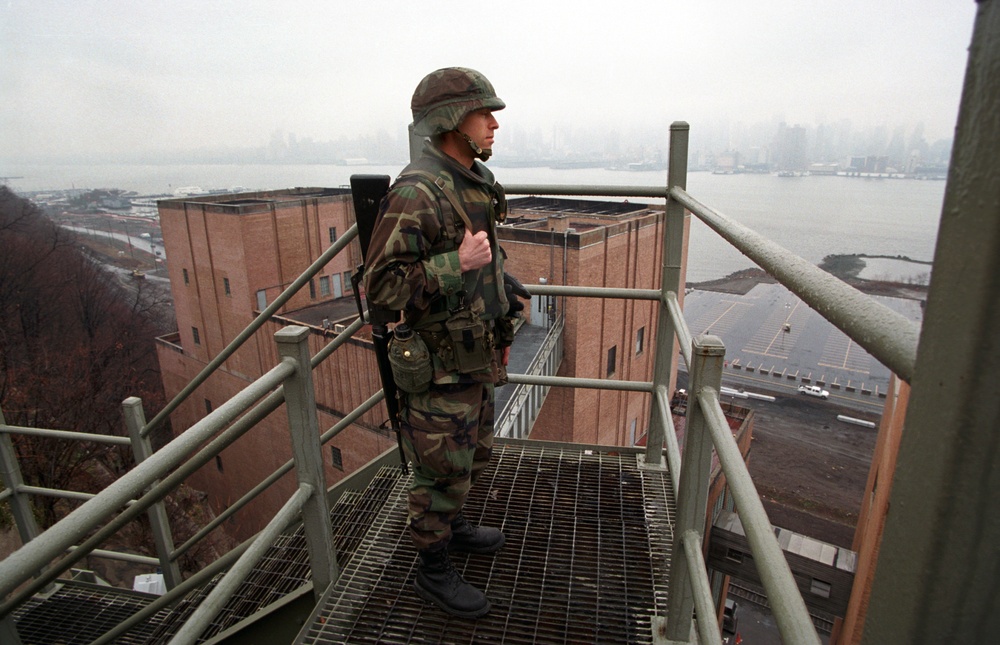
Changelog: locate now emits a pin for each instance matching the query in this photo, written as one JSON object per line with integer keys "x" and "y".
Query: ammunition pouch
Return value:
{"x": 410, "y": 361}
{"x": 504, "y": 329}
{"x": 500, "y": 374}
{"x": 471, "y": 343}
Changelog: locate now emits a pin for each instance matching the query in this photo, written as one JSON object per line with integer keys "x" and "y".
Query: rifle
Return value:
{"x": 368, "y": 191}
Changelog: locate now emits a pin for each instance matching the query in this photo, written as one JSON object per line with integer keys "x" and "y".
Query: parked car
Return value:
{"x": 730, "y": 619}
{"x": 814, "y": 390}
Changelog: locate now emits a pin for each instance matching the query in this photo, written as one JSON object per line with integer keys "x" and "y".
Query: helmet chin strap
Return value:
{"x": 483, "y": 154}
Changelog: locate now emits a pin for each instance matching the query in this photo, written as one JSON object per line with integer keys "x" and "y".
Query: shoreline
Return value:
{"x": 845, "y": 267}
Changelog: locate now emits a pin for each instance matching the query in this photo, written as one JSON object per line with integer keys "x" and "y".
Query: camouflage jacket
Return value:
{"x": 412, "y": 261}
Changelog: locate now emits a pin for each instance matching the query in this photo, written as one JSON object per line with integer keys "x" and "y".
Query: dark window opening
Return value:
{"x": 820, "y": 588}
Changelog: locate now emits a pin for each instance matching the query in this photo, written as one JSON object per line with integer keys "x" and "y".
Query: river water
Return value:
{"x": 812, "y": 216}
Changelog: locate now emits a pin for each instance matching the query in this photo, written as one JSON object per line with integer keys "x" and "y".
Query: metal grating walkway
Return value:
{"x": 586, "y": 560}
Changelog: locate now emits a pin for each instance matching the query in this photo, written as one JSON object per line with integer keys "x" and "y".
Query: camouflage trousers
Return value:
{"x": 447, "y": 435}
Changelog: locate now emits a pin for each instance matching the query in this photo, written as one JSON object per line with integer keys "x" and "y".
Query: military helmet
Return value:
{"x": 444, "y": 97}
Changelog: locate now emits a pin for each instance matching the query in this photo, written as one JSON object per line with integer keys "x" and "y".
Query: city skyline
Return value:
{"x": 753, "y": 144}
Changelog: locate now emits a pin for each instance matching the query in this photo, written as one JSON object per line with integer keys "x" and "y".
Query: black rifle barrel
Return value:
{"x": 368, "y": 191}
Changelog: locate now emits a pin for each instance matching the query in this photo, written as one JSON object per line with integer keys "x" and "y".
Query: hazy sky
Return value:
{"x": 90, "y": 76}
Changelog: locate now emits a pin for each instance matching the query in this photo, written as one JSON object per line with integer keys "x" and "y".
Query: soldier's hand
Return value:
{"x": 474, "y": 252}
{"x": 514, "y": 290}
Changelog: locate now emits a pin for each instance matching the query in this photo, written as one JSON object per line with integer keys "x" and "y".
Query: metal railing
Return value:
{"x": 294, "y": 375}
{"x": 882, "y": 333}
{"x": 520, "y": 411}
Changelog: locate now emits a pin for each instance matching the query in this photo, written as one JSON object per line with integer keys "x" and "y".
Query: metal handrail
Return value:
{"x": 512, "y": 410}
{"x": 342, "y": 242}
{"x": 210, "y": 607}
{"x": 783, "y": 594}
{"x": 40, "y": 551}
{"x": 66, "y": 434}
{"x": 707, "y": 633}
{"x": 280, "y": 472}
{"x": 135, "y": 507}
{"x": 887, "y": 335}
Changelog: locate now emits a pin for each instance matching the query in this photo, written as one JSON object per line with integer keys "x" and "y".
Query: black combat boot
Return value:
{"x": 438, "y": 582}
{"x": 474, "y": 539}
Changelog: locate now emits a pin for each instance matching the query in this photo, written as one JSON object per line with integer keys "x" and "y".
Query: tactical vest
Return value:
{"x": 440, "y": 186}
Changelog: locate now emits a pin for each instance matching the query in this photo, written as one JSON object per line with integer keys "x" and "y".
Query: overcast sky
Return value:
{"x": 90, "y": 76}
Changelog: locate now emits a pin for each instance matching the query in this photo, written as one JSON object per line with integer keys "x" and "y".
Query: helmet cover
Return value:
{"x": 444, "y": 97}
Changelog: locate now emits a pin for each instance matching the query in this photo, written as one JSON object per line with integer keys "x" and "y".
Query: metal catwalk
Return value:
{"x": 586, "y": 560}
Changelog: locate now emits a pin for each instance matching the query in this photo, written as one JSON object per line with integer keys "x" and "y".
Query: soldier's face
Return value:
{"x": 479, "y": 126}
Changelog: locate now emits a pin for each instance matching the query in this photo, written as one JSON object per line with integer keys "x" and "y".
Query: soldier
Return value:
{"x": 434, "y": 257}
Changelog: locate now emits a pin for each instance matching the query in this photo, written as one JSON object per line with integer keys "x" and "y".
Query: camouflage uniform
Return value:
{"x": 414, "y": 268}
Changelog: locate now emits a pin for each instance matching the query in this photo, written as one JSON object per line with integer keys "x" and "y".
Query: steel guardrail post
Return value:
{"x": 10, "y": 470}
{"x": 672, "y": 281}
{"x": 783, "y": 594}
{"x": 692, "y": 497}
{"x": 708, "y": 631}
{"x": 8, "y": 631}
{"x": 159, "y": 523}
{"x": 300, "y": 403}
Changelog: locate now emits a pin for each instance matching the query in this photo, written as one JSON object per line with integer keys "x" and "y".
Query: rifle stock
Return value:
{"x": 367, "y": 192}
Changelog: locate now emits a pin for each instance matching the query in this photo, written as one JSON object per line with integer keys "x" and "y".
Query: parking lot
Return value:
{"x": 775, "y": 340}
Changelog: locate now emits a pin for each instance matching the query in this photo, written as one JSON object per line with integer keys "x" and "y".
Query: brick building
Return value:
{"x": 594, "y": 244}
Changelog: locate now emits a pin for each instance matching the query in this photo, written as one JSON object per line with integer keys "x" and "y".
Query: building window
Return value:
{"x": 336, "y": 458}
{"x": 312, "y": 289}
{"x": 218, "y": 462}
{"x": 197, "y": 337}
{"x": 347, "y": 282}
{"x": 333, "y": 234}
{"x": 631, "y": 432}
{"x": 187, "y": 280}
{"x": 612, "y": 359}
{"x": 640, "y": 336}
{"x": 820, "y": 588}
{"x": 324, "y": 285}
{"x": 262, "y": 300}
{"x": 225, "y": 285}
{"x": 208, "y": 407}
